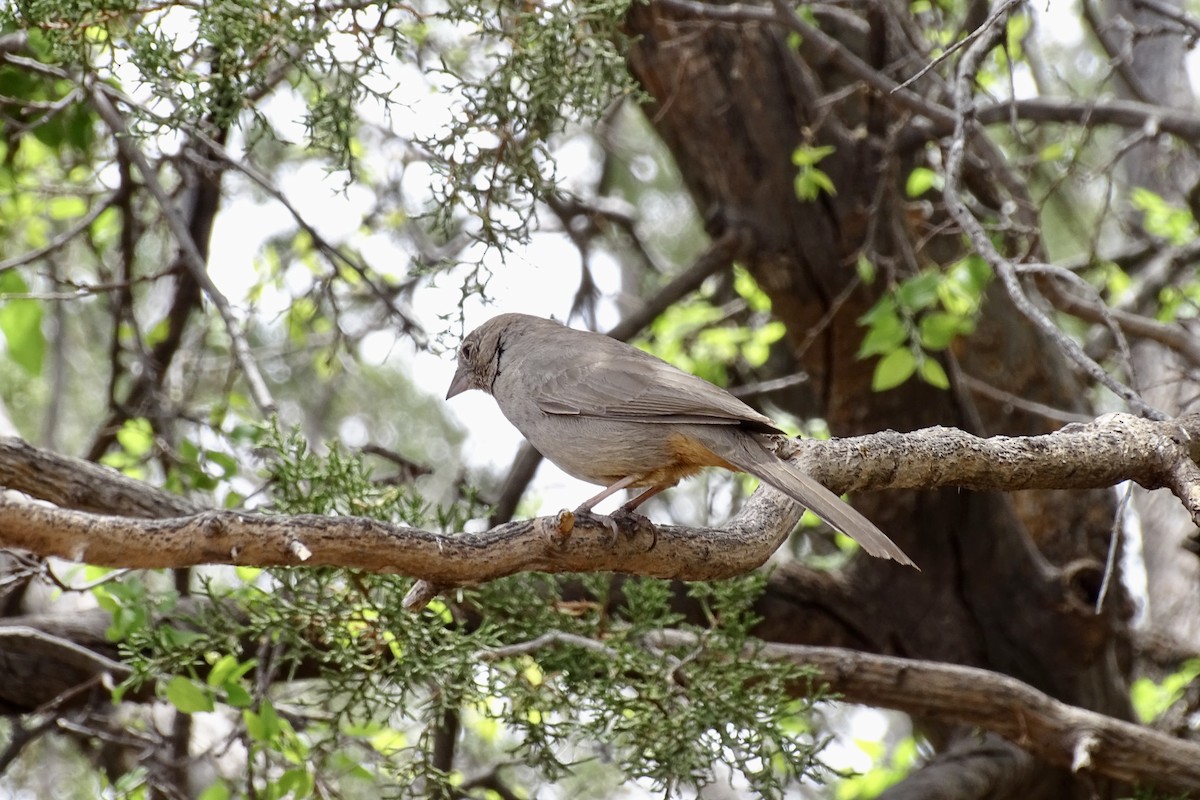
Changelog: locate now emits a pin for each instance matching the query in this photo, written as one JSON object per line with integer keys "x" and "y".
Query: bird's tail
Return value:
{"x": 750, "y": 455}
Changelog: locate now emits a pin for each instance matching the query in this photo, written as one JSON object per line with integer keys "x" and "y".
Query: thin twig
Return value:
{"x": 1114, "y": 546}
{"x": 1003, "y": 267}
{"x": 99, "y": 93}
{"x": 1002, "y": 10}
{"x": 61, "y": 239}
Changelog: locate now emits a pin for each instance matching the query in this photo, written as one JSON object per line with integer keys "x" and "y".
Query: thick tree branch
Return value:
{"x": 566, "y": 543}
{"x": 1069, "y": 737}
{"x": 1112, "y": 449}
{"x": 83, "y": 485}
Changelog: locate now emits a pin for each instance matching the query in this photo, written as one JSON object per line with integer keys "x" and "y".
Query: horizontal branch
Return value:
{"x": 563, "y": 543}
{"x": 1112, "y": 449}
{"x": 1121, "y": 113}
{"x": 1069, "y": 737}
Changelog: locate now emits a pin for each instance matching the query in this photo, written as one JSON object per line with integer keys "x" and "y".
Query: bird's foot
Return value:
{"x": 621, "y": 521}
{"x": 587, "y": 515}
{"x": 634, "y": 523}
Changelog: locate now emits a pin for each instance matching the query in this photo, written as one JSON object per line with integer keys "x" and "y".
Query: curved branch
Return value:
{"x": 1005, "y": 268}
{"x": 1073, "y": 738}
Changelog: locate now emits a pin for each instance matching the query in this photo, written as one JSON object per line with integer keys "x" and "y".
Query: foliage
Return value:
{"x": 919, "y": 317}
{"x": 193, "y": 67}
{"x": 1152, "y": 699}
{"x": 327, "y": 679}
{"x": 890, "y": 768}
{"x": 696, "y": 335}
{"x": 810, "y": 181}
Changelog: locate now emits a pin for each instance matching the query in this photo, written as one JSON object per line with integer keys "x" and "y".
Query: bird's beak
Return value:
{"x": 461, "y": 382}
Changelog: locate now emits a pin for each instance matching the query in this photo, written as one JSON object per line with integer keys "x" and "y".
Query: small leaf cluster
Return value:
{"x": 1173, "y": 223}
{"x": 919, "y": 317}
{"x": 704, "y": 338}
{"x": 302, "y": 481}
{"x": 811, "y": 182}
{"x": 1152, "y": 699}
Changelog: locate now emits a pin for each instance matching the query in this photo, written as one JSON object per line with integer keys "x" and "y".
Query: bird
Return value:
{"x": 613, "y": 415}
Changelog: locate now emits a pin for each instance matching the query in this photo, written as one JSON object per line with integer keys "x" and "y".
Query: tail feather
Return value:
{"x": 749, "y": 455}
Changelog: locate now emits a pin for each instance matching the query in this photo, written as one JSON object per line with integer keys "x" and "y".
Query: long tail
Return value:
{"x": 749, "y": 455}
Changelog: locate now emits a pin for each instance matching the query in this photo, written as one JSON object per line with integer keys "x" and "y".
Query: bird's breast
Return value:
{"x": 603, "y": 451}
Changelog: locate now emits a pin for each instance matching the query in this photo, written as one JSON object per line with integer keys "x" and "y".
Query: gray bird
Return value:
{"x": 610, "y": 414}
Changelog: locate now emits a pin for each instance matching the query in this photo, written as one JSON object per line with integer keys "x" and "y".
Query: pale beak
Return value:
{"x": 461, "y": 382}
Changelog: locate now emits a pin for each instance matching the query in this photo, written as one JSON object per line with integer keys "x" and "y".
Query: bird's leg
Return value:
{"x": 641, "y": 498}
{"x": 629, "y": 510}
{"x": 610, "y": 520}
{"x": 586, "y": 505}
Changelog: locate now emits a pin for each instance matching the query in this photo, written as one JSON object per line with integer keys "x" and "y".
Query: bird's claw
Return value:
{"x": 636, "y": 522}
{"x": 622, "y": 520}
{"x": 602, "y": 519}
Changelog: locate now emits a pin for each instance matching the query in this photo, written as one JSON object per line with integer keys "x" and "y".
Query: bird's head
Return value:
{"x": 479, "y": 357}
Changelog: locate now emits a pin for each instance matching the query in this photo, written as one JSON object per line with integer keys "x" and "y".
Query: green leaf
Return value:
{"x": 932, "y": 373}
{"x": 21, "y": 324}
{"x": 237, "y": 695}
{"x": 218, "y": 791}
{"x": 188, "y": 696}
{"x": 749, "y": 290}
{"x": 1052, "y": 152}
{"x": 136, "y": 437}
{"x": 1151, "y": 700}
{"x": 222, "y": 670}
{"x": 262, "y": 726}
{"x": 66, "y": 207}
{"x": 865, "y": 269}
{"x": 886, "y": 333}
{"x": 920, "y": 181}
{"x": 807, "y": 156}
{"x": 893, "y": 369}
{"x": 919, "y": 292}
{"x": 938, "y": 329}
{"x": 296, "y": 781}
{"x": 811, "y": 182}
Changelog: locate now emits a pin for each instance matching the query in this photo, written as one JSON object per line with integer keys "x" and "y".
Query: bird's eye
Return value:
{"x": 467, "y": 350}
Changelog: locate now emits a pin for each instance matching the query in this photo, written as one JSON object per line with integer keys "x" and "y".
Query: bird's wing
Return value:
{"x": 625, "y": 383}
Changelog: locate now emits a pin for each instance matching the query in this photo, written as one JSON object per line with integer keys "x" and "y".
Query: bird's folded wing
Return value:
{"x": 637, "y": 387}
